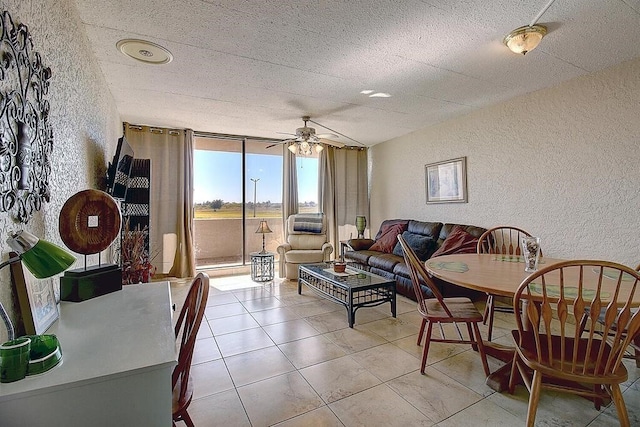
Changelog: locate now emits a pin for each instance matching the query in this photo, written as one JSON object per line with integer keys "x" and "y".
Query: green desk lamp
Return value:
{"x": 42, "y": 258}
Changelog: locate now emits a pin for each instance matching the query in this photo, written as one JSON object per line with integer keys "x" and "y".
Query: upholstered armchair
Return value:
{"x": 306, "y": 243}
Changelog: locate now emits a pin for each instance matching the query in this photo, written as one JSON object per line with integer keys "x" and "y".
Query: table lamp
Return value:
{"x": 263, "y": 228}
{"x": 42, "y": 258}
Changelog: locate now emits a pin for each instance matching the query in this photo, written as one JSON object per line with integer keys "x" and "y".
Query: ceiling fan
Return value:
{"x": 306, "y": 141}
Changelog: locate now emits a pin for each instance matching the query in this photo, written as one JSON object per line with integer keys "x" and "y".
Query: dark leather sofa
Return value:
{"x": 392, "y": 266}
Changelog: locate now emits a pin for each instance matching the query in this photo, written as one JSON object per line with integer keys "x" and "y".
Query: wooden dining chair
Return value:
{"x": 504, "y": 240}
{"x": 439, "y": 310}
{"x": 633, "y": 351}
{"x": 551, "y": 343}
{"x": 186, "y": 330}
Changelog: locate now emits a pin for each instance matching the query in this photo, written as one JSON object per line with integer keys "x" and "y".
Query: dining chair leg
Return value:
{"x": 514, "y": 372}
{"x": 425, "y": 350}
{"x": 636, "y": 350}
{"x": 474, "y": 342}
{"x": 616, "y": 394}
{"x": 491, "y": 305}
{"x": 421, "y": 333}
{"x": 485, "y": 315}
{"x": 534, "y": 398}
{"x": 480, "y": 345}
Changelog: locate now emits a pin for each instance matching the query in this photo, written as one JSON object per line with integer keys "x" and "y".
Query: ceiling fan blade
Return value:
{"x": 335, "y": 131}
{"x": 286, "y": 141}
{"x": 286, "y": 133}
{"x": 327, "y": 136}
{"x": 330, "y": 142}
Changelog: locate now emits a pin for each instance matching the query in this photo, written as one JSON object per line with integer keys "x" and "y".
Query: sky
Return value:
{"x": 218, "y": 175}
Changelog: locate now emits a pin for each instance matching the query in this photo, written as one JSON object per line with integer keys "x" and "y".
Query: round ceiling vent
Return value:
{"x": 144, "y": 51}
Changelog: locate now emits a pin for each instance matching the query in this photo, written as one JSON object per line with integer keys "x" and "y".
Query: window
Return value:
{"x": 308, "y": 183}
{"x": 236, "y": 184}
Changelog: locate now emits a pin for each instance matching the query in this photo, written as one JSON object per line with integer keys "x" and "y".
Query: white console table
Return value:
{"x": 118, "y": 355}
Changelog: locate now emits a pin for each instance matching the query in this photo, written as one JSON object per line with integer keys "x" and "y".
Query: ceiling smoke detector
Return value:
{"x": 144, "y": 51}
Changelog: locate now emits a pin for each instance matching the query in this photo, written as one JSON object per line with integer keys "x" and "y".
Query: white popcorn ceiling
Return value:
{"x": 255, "y": 67}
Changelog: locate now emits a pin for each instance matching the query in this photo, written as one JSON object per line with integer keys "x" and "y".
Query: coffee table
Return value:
{"x": 353, "y": 288}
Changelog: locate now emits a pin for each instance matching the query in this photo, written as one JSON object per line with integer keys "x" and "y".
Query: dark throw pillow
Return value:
{"x": 423, "y": 246}
{"x": 388, "y": 238}
{"x": 457, "y": 242}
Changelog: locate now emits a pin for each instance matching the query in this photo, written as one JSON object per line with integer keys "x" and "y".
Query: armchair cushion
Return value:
{"x": 388, "y": 238}
{"x": 306, "y": 243}
{"x": 308, "y": 223}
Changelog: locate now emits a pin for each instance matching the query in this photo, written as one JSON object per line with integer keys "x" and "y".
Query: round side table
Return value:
{"x": 262, "y": 266}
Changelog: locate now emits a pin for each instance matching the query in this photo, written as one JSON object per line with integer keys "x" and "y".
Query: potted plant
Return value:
{"x": 136, "y": 261}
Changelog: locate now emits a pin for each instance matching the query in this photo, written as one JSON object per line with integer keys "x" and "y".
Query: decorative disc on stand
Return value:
{"x": 89, "y": 222}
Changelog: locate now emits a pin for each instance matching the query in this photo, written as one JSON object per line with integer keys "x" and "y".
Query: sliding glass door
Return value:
{"x": 237, "y": 183}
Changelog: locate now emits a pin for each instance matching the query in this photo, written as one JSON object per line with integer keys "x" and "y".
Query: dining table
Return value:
{"x": 494, "y": 274}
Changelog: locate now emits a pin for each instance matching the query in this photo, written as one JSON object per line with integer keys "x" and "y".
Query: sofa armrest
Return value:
{"x": 327, "y": 249}
{"x": 360, "y": 244}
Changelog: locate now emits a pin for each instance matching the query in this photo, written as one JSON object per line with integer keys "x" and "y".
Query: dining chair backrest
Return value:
{"x": 186, "y": 329}
{"x": 417, "y": 272}
{"x": 503, "y": 240}
{"x": 575, "y": 290}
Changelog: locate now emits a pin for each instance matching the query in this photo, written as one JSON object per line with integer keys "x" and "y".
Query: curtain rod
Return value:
{"x": 233, "y": 137}
{"x": 226, "y": 136}
{"x": 152, "y": 129}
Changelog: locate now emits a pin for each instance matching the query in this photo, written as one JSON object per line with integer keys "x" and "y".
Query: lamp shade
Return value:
{"x": 263, "y": 227}
{"x": 42, "y": 258}
{"x": 525, "y": 39}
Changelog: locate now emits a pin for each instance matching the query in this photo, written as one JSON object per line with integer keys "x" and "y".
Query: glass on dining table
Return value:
{"x": 531, "y": 253}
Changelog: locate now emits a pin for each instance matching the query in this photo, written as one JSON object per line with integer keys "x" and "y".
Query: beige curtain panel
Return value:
{"x": 171, "y": 154}
{"x": 344, "y": 190}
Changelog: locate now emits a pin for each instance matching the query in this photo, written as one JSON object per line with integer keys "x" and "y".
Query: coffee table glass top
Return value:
{"x": 352, "y": 278}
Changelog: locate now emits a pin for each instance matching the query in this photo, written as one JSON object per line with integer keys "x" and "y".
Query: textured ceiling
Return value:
{"x": 255, "y": 67}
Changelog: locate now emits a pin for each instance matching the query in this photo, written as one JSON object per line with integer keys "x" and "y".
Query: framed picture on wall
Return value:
{"x": 446, "y": 181}
{"x": 38, "y": 307}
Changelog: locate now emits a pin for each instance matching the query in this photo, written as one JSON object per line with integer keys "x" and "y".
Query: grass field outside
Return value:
{"x": 230, "y": 212}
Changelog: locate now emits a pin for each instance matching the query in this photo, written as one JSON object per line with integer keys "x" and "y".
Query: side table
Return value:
{"x": 262, "y": 266}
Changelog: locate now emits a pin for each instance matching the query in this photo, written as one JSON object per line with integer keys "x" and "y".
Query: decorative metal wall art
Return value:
{"x": 26, "y": 139}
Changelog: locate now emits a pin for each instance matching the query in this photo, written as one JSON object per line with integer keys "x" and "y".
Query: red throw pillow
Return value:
{"x": 457, "y": 242}
{"x": 388, "y": 238}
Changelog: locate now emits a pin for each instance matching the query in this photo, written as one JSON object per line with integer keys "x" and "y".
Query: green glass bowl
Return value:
{"x": 45, "y": 353}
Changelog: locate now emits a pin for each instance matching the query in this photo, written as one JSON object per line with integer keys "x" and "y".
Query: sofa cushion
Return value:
{"x": 459, "y": 241}
{"x": 430, "y": 229}
{"x": 423, "y": 246}
{"x": 360, "y": 244}
{"x": 385, "y": 262}
{"x": 387, "y": 240}
{"x": 388, "y": 223}
{"x": 361, "y": 257}
{"x": 448, "y": 228}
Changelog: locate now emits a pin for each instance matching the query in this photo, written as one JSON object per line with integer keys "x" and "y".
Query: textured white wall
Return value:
{"x": 562, "y": 163}
{"x": 83, "y": 117}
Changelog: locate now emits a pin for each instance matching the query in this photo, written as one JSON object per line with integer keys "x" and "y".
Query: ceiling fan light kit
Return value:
{"x": 525, "y": 39}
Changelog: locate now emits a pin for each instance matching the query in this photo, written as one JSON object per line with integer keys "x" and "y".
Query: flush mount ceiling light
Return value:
{"x": 525, "y": 39}
{"x": 145, "y": 51}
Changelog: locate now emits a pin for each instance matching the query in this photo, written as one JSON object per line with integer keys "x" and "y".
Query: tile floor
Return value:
{"x": 268, "y": 356}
